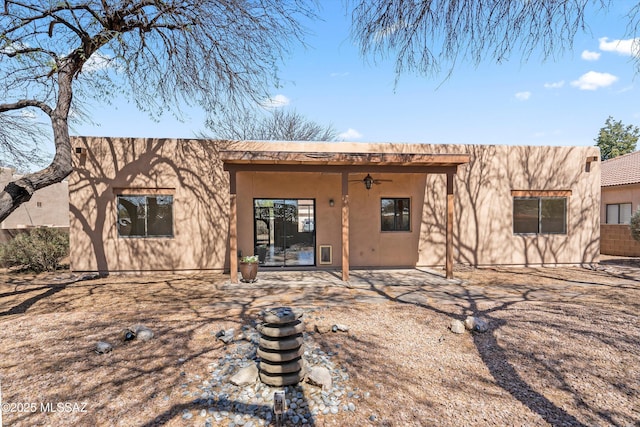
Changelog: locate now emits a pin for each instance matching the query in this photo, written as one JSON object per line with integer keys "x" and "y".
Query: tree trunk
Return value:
{"x": 17, "y": 192}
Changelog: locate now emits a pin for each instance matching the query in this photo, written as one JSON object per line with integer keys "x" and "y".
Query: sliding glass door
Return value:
{"x": 285, "y": 232}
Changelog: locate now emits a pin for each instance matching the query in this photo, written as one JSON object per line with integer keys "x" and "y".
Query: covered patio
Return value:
{"x": 344, "y": 164}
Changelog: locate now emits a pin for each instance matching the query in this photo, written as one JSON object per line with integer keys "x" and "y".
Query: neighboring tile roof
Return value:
{"x": 621, "y": 170}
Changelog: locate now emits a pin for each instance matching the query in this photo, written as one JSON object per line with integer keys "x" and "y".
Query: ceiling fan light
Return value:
{"x": 368, "y": 181}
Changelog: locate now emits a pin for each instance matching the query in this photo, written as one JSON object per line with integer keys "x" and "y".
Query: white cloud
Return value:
{"x": 587, "y": 55}
{"x": 276, "y": 102}
{"x": 13, "y": 47}
{"x": 350, "y": 135}
{"x": 594, "y": 80}
{"x": 96, "y": 62}
{"x": 345, "y": 74}
{"x": 390, "y": 30}
{"x": 523, "y": 96}
{"x": 28, "y": 114}
{"x": 554, "y": 85}
{"x": 623, "y": 47}
{"x": 626, "y": 89}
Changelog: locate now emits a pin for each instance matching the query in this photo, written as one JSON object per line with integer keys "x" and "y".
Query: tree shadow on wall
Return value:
{"x": 189, "y": 169}
{"x": 483, "y": 227}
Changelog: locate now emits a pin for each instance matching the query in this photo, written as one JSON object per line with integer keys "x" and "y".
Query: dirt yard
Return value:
{"x": 563, "y": 346}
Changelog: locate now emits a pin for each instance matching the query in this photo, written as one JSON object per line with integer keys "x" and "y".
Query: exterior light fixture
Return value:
{"x": 368, "y": 181}
{"x": 279, "y": 406}
{"x": 331, "y": 202}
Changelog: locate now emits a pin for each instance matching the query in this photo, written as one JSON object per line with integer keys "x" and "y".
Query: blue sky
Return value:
{"x": 561, "y": 101}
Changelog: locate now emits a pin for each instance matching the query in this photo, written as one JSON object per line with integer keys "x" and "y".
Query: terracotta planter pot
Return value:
{"x": 249, "y": 271}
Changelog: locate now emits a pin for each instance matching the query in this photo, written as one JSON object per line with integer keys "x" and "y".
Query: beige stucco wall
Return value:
{"x": 188, "y": 169}
{"x": 47, "y": 207}
{"x": 619, "y": 194}
{"x": 369, "y": 246}
{"x": 191, "y": 169}
{"x": 483, "y": 227}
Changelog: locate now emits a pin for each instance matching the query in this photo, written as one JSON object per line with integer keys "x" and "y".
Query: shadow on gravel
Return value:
{"x": 23, "y": 306}
{"x": 496, "y": 358}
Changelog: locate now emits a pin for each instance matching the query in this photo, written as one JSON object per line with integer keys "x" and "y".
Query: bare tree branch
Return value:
{"x": 275, "y": 125}
{"x": 24, "y": 103}
{"x": 219, "y": 54}
{"x": 426, "y": 36}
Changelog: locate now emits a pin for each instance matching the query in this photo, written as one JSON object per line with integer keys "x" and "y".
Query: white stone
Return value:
{"x": 341, "y": 328}
{"x": 103, "y": 347}
{"x": 320, "y": 377}
{"x": 245, "y": 376}
{"x": 476, "y": 324}
{"x": 142, "y": 332}
{"x": 457, "y": 327}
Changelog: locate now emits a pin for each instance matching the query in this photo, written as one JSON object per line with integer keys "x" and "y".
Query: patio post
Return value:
{"x": 345, "y": 226}
{"x": 449, "y": 237}
{"x": 233, "y": 227}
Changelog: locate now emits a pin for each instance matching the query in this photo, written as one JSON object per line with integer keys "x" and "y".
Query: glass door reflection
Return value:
{"x": 285, "y": 231}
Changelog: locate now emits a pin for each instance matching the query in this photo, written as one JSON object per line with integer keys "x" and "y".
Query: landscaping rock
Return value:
{"x": 127, "y": 335}
{"x": 142, "y": 332}
{"x": 341, "y": 328}
{"x": 103, "y": 347}
{"x": 320, "y": 377}
{"x": 476, "y": 324}
{"x": 245, "y": 376}
{"x": 226, "y": 336}
{"x": 457, "y": 327}
{"x": 322, "y": 328}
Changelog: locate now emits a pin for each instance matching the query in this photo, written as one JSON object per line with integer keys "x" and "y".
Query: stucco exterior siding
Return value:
{"x": 483, "y": 225}
{"x": 629, "y": 193}
{"x": 191, "y": 170}
{"x": 48, "y": 207}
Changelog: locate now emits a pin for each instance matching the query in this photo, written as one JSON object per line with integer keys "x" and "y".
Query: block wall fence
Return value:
{"x": 615, "y": 239}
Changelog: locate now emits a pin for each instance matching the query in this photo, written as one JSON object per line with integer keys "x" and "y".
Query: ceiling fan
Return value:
{"x": 368, "y": 181}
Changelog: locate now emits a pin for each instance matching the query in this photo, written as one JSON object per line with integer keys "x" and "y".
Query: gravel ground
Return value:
{"x": 563, "y": 348}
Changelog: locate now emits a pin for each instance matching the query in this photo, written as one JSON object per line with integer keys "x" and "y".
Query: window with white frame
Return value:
{"x": 145, "y": 215}
{"x": 619, "y": 213}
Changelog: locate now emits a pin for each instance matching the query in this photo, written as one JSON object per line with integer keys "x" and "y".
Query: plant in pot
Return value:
{"x": 249, "y": 268}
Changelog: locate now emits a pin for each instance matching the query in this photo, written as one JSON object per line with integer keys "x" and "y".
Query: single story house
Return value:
{"x": 48, "y": 207}
{"x": 620, "y": 199}
{"x": 193, "y": 204}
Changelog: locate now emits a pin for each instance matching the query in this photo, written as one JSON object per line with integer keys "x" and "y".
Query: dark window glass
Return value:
{"x": 554, "y": 216}
{"x": 145, "y": 216}
{"x": 533, "y": 215}
{"x": 525, "y": 216}
{"x": 395, "y": 214}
